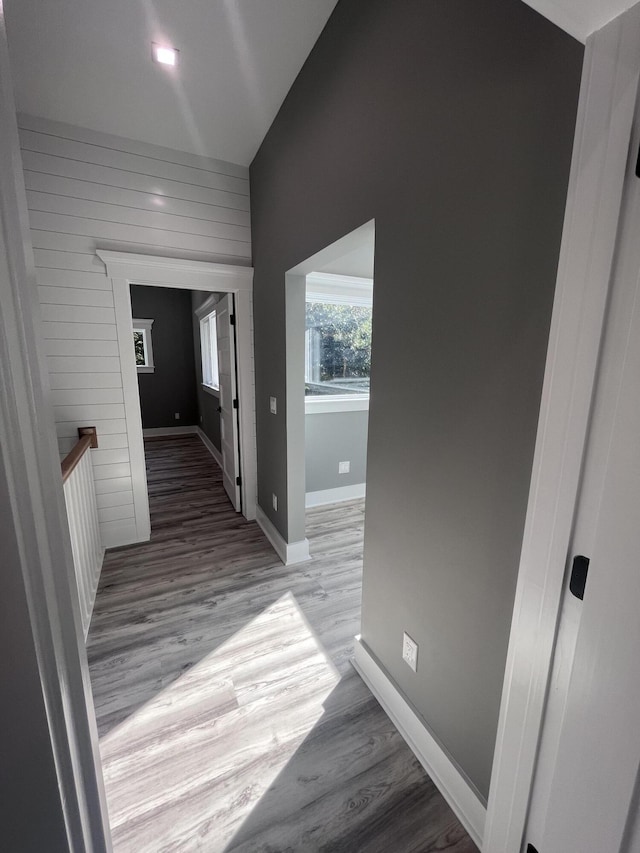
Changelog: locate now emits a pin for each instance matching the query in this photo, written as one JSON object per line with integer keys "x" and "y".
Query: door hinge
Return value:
{"x": 531, "y": 849}
{"x": 578, "y": 581}
{"x": 238, "y": 481}
{"x": 235, "y": 403}
{"x": 232, "y": 319}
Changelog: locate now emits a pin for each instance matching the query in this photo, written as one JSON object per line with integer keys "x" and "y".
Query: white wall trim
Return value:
{"x": 124, "y": 269}
{"x": 191, "y": 275}
{"x": 331, "y": 403}
{"x": 339, "y": 289}
{"x": 603, "y": 131}
{"x": 207, "y": 306}
{"x": 150, "y": 432}
{"x": 32, "y": 469}
{"x": 337, "y": 495}
{"x": 289, "y": 552}
{"x": 145, "y": 326}
{"x": 295, "y": 295}
{"x": 213, "y": 450}
{"x": 450, "y": 781}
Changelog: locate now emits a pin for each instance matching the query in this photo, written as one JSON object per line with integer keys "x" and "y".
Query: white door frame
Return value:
{"x": 125, "y": 269}
{"x": 226, "y": 350}
{"x": 295, "y": 297}
{"x": 31, "y": 465}
{"x": 601, "y": 150}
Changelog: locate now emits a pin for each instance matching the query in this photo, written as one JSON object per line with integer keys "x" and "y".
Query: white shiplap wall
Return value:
{"x": 89, "y": 191}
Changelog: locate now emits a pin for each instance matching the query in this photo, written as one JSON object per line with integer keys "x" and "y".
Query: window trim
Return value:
{"x": 206, "y": 313}
{"x": 144, "y": 326}
{"x": 322, "y": 405}
{"x": 338, "y": 290}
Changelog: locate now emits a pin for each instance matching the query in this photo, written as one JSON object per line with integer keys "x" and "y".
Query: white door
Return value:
{"x": 585, "y": 794}
{"x": 228, "y": 399}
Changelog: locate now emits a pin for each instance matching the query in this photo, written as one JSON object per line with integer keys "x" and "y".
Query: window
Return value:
{"x": 143, "y": 346}
{"x": 337, "y": 342}
{"x": 209, "y": 349}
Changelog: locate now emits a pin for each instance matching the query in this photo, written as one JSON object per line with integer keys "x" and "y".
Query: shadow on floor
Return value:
{"x": 352, "y": 785}
{"x": 230, "y": 718}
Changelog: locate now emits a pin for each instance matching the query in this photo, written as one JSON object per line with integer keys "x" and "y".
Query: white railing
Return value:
{"x": 82, "y": 512}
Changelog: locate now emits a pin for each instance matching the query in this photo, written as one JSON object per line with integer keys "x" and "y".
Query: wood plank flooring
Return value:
{"x": 230, "y": 718}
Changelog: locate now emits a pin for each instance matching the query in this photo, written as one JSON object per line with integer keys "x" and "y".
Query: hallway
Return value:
{"x": 229, "y": 715}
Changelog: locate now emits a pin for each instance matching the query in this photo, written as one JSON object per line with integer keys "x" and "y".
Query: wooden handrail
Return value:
{"x": 87, "y": 437}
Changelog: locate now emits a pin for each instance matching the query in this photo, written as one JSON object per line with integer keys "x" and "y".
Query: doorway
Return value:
{"x": 334, "y": 269}
{"x": 338, "y": 315}
{"x": 125, "y": 269}
{"x": 184, "y": 343}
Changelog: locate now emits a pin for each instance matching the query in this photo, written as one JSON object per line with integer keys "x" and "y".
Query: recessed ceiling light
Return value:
{"x": 164, "y": 55}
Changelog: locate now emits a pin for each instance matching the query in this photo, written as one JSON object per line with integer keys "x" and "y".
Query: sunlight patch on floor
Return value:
{"x": 193, "y": 762}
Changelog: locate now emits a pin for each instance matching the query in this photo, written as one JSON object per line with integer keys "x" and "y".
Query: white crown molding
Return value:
{"x": 333, "y": 280}
{"x": 327, "y": 287}
{"x": 182, "y": 273}
{"x": 207, "y": 306}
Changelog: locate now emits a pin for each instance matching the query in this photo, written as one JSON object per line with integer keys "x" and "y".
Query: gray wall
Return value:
{"x": 171, "y": 387}
{"x": 207, "y": 401}
{"x": 31, "y": 811}
{"x": 333, "y": 437}
{"x": 452, "y": 125}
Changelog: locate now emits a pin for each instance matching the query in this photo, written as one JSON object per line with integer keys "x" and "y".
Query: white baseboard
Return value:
{"x": 125, "y": 532}
{"x": 450, "y": 781}
{"x": 178, "y": 430}
{"x": 334, "y": 496}
{"x": 289, "y": 552}
{"x": 213, "y": 450}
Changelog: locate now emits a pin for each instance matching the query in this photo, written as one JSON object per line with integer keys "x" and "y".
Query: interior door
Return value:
{"x": 585, "y": 795}
{"x": 228, "y": 399}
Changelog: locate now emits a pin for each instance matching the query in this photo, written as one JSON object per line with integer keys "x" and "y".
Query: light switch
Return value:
{"x": 273, "y": 405}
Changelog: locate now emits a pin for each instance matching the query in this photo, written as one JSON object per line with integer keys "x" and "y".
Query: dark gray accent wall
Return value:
{"x": 450, "y": 123}
{"x": 330, "y": 438}
{"x": 32, "y": 815}
{"x": 171, "y": 387}
{"x": 208, "y": 400}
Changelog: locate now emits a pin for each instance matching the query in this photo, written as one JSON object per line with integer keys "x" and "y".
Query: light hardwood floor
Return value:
{"x": 230, "y": 718}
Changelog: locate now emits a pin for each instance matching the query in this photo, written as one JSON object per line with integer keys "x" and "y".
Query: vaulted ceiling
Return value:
{"x": 88, "y": 62}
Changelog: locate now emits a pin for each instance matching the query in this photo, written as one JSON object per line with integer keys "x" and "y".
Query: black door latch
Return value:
{"x": 579, "y": 572}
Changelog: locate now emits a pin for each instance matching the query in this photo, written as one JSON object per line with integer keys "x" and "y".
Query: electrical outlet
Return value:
{"x": 177, "y": 416}
{"x": 274, "y": 501}
{"x": 344, "y": 467}
{"x": 410, "y": 652}
{"x": 273, "y": 405}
